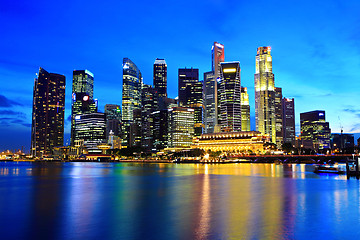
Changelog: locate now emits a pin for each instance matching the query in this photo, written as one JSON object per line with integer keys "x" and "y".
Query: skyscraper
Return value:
{"x": 278, "y": 116}
{"x": 288, "y": 114}
{"x": 265, "y": 94}
{"x": 217, "y": 57}
{"x": 186, "y": 77}
{"x": 230, "y": 97}
{"x": 47, "y": 130}
{"x": 131, "y": 96}
{"x": 113, "y": 119}
{"x": 149, "y": 101}
{"x": 245, "y": 110}
{"x": 195, "y": 100}
{"x": 82, "y": 97}
{"x": 160, "y": 133}
{"x": 191, "y": 95}
{"x": 313, "y": 127}
{"x": 160, "y": 77}
{"x": 210, "y": 101}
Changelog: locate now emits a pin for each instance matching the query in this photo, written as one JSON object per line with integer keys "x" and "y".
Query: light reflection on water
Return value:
{"x": 175, "y": 201}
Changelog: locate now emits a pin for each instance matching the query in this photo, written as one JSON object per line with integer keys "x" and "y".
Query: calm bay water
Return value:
{"x": 175, "y": 201}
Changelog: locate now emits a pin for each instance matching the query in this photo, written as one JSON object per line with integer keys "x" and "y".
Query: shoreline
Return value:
{"x": 268, "y": 161}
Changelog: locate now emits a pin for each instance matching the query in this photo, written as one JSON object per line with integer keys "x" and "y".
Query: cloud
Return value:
{"x": 326, "y": 95}
{"x": 12, "y": 113}
{"x": 354, "y": 111}
{"x": 355, "y": 128}
{"x": 5, "y": 102}
{"x": 9, "y": 121}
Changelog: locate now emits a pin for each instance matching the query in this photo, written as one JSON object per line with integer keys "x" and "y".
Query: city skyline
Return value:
{"x": 307, "y": 69}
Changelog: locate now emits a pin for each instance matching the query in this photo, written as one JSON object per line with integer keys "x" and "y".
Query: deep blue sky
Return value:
{"x": 315, "y": 48}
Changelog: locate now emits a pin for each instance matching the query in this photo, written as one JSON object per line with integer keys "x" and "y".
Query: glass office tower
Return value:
{"x": 210, "y": 102}
{"x": 149, "y": 101}
{"x": 47, "y": 130}
{"x": 278, "y": 117}
{"x": 314, "y": 127}
{"x": 160, "y": 77}
{"x": 91, "y": 129}
{"x": 191, "y": 95}
{"x": 180, "y": 127}
{"x": 131, "y": 96}
{"x": 82, "y": 97}
{"x": 217, "y": 57}
{"x": 230, "y": 97}
{"x": 186, "y": 77}
{"x": 288, "y": 114}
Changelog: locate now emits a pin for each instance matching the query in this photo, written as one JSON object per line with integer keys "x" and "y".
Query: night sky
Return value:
{"x": 315, "y": 48}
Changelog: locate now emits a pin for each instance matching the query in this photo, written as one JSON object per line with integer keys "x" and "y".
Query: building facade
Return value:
{"x": 342, "y": 141}
{"x": 245, "y": 110}
{"x": 160, "y": 77}
{"x": 47, "y": 130}
{"x": 288, "y": 114}
{"x": 230, "y": 97}
{"x": 149, "y": 99}
{"x": 265, "y": 94}
{"x": 113, "y": 120}
{"x": 314, "y": 127}
{"x": 210, "y": 102}
{"x": 186, "y": 77}
{"x": 278, "y": 117}
{"x": 90, "y": 130}
{"x": 180, "y": 127}
{"x": 131, "y": 96}
{"x": 195, "y": 100}
{"x": 135, "y": 133}
{"x": 217, "y": 57}
{"x": 237, "y": 142}
{"x": 191, "y": 95}
{"x": 160, "y": 132}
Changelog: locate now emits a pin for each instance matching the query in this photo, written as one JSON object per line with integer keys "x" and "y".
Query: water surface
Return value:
{"x": 175, "y": 201}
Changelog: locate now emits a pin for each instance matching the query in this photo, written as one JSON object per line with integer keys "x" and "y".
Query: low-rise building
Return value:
{"x": 241, "y": 142}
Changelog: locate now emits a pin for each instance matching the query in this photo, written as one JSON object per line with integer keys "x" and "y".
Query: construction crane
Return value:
{"x": 341, "y": 134}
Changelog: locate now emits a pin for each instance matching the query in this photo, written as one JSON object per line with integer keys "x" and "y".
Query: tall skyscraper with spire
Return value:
{"x": 131, "y": 96}
{"x": 265, "y": 94}
{"x": 47, "y": 130}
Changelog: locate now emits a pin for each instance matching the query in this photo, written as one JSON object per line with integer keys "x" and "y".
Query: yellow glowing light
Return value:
{"x": 228, "y": 70}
